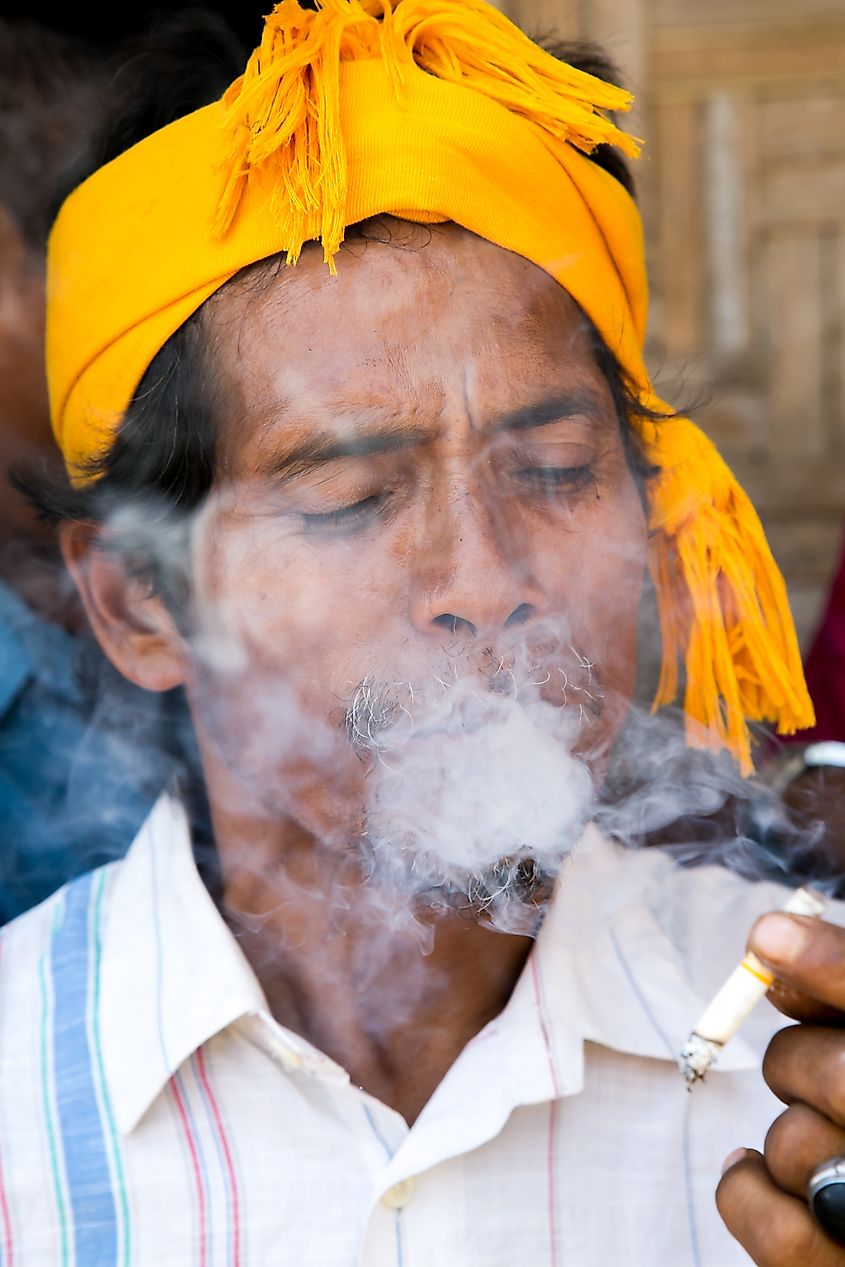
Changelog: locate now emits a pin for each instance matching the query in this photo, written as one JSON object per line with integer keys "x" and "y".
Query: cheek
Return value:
{"x": 270, "y": 660}
{"x": 596, "y": 575}
{"x": 289, "y": 627}
{"x": 284, "y": 597}
{"x": 285, "y": 630}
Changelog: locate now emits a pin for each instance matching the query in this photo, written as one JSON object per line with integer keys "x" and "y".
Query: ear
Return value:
{"x": 134, "y": 628}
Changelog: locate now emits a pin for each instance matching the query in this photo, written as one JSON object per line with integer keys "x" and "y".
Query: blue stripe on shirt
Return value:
{"x": 83, "y": 1141}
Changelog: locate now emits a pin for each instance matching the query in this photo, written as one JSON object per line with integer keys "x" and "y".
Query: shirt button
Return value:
{"x": 399, "y": 1195}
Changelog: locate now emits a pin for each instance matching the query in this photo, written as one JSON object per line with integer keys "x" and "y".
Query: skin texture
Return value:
{"x": 460, "y": 532}
{"x": 761, "y": 1196}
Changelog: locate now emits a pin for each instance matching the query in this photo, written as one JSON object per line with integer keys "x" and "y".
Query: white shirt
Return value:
{"x": 153, "y": 1114}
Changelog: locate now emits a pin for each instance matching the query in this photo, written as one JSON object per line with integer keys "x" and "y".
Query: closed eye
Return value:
{"x": 345, "y": 518}
{"x": 554, "y": 479}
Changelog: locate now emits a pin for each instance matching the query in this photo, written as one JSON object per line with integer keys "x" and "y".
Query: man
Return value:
{"x": 369, "y": 988}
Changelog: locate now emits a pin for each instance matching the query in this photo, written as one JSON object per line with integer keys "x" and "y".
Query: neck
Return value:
{"x": 392, "y": 999}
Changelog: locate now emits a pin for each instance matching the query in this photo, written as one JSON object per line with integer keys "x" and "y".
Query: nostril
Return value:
{"x": 454, "y": 624}
{"x": 520, "y": 615}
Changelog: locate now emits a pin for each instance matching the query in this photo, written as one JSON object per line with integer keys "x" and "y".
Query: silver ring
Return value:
{"x": 826, "y": 1197}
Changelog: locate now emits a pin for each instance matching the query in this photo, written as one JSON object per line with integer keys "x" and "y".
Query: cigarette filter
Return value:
{"x": 730, "y": 1006}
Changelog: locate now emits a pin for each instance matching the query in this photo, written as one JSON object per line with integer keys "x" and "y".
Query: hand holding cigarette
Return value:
{"x": 746, "y": 985}
{"x": 762, "y": 1197}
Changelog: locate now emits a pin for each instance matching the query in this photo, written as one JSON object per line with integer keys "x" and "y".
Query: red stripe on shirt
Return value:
{"x": 195, "y": 1164}
{"x": 8, "y": 1246}
{"x": 230, "y": 1169}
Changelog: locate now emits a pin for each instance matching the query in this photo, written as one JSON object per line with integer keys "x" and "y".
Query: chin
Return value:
{"x": 511, "y": 895}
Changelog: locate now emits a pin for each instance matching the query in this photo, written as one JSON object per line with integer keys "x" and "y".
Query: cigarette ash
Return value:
{"x": 696, "y": 1057}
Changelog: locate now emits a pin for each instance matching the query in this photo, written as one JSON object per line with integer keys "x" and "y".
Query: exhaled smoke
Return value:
{"x": 695, "y": 805}
{"x": 476, "y": 788}
{"x": 474, "y": 793}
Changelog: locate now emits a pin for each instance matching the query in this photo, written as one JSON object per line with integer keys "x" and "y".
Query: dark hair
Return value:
{"x": 589, "y": 57}
{"x": 162, "y": 459}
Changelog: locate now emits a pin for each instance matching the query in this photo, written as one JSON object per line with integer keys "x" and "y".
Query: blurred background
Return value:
{"x": 742, "y": 186}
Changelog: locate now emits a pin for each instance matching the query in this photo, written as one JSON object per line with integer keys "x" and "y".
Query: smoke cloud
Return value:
{"x": 477, "y": 785}
{"x": 476, "y": 796}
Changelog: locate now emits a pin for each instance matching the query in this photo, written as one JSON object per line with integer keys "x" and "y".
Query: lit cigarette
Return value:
{"x": 744, "y": 988}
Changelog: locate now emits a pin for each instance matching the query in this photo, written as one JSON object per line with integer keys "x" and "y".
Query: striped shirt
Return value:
{"x": 153, "y": 1113}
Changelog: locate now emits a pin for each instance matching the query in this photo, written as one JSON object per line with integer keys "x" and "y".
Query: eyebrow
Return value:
{"x": 319, "y": 450}
{"x": 578, "y": 402}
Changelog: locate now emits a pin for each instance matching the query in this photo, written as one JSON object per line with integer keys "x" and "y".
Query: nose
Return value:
{"x": 472, "y": 573}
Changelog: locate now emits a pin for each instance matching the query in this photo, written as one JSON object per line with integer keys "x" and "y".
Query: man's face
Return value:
{"x": 417, "y": 582}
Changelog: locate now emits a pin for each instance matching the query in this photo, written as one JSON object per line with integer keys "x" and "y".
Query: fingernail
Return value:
{"x": 778, "y": 939}
{"x": 733, "y": 1158}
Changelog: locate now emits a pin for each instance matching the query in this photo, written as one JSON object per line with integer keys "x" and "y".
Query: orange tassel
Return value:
{"x": 285, "y": 108}
{"x": 722, "y": 600}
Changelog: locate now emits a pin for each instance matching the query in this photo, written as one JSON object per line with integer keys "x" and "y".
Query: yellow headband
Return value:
{"x": 431, "y": 110}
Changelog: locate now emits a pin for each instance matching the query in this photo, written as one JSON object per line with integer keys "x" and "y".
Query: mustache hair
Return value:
{"x": 379, "y": 714}
{"x": 474, "y": 789}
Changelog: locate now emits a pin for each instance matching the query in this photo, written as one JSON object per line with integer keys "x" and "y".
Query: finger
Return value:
{"x": 802, "y": 1008}
{"x": 806, "y": 1063}
{"x": 774, "y": 1228}
{"x": 796, "y": 1143}
{"x": 807, "y": 955}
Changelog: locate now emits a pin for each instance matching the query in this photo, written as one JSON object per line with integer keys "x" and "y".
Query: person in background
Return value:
{"x": 75, "y": 781}
{"x": 52, "y": 89}
{"x": 825, "y": 664}
{"x": 800, "y": 811}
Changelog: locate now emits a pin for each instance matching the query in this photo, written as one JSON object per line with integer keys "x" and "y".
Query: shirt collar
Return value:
{"x": 603, "y": 970}
{"x": 173, "y": 974}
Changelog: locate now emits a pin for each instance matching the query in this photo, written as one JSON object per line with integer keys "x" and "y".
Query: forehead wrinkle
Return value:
{"x": 388, "y": 376}
{"x": 279, "y": 409}
{"x": 338, "y": 420}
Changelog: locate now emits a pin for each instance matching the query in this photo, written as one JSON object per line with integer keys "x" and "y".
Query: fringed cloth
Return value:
{"x": 433, "y": 111}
